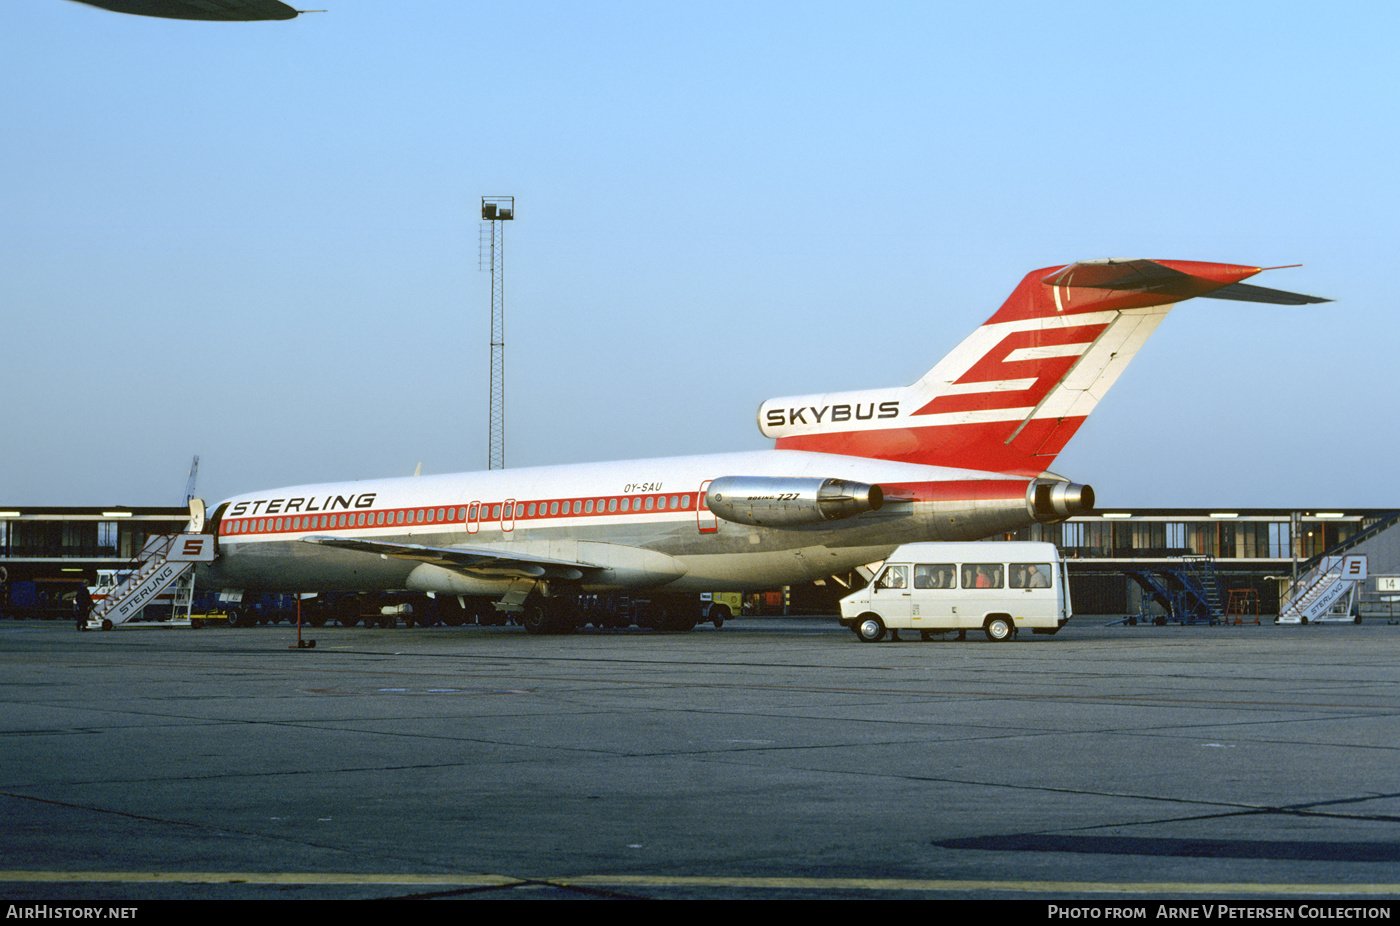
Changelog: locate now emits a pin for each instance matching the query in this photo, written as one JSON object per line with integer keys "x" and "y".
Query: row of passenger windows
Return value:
{"x": 974, "y": 575}
{"x": 597, "y": 506}
{"x": 476, "y": 512}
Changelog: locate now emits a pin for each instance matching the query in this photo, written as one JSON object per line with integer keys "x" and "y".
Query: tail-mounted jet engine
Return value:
{"x": 1052, "y": 502}
{"x": 769, "y": 501}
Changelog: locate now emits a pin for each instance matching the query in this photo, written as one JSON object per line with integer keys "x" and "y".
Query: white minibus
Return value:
{"x": 998, "y": 586}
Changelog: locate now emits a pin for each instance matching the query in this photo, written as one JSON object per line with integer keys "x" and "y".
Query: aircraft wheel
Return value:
{"x": 870, "y": 628}
{"x": 534, "y": 619}
{"x": 999, "y": 629}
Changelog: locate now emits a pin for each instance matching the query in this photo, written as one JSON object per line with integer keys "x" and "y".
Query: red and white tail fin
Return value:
{"x": 1010, "y": 396}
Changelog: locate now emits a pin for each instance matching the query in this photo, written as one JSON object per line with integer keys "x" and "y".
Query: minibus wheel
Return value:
{"x": 999, "y": 628}
{"x": 870, "y": 628}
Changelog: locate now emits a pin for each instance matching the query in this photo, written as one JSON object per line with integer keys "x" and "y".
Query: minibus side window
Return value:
{"x": 935, "y": 575}
{"x": 1031, "y": 575}
{"x": 983, "y": 575}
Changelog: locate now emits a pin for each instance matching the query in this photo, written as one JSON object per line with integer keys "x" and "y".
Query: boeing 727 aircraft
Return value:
{"x": 961, "y": 454}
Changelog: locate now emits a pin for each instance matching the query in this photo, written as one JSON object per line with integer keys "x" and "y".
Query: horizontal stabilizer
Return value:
{"x": 1142, "y": 276}
{"x": 1247, "y": 292}
{"x": 208, "y": 10}
{"x": 1150, "y": 276}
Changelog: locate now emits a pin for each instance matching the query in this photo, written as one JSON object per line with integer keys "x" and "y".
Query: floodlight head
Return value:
{"x": 497, "y": 208}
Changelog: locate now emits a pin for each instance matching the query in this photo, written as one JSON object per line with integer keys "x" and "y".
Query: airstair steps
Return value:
{"x": 1322, "y": 588}
{"x": 165, "y": 560}
{"x": 1189, "y": 587}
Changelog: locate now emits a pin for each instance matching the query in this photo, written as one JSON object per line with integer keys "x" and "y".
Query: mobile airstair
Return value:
{"x": 166, "y": 562}
{"x": 1325, "y": 593}
{"x": 1187, "y": 586}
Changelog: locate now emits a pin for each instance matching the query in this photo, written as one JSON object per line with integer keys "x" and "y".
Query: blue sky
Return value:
{"x": 258, "y": 242}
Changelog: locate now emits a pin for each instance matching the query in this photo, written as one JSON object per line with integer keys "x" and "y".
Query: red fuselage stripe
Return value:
{"x": 552, "y": 509}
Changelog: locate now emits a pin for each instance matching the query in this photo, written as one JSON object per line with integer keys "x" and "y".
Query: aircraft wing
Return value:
{"x": 211, "y": 10}
{"x": 474, "y": 561}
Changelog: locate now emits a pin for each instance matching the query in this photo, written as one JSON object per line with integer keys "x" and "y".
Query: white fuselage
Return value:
{"x": 642, "y": 522}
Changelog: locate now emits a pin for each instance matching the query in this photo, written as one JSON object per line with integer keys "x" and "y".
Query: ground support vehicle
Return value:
{"x": 998, "y": 587}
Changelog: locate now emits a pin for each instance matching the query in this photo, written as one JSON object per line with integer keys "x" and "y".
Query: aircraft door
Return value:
{"x": 705, "y": 519}
{"x": 212, "y": 525}
{"x": 508, "y": 515}
{"x": 474, "y": 517}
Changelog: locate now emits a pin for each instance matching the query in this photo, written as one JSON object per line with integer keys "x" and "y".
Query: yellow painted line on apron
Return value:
{"x": 253, "y": 877}
{"x": 717, "y": 881}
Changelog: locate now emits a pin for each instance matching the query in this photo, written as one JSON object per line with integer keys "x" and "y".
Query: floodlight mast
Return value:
{"x": 495, "y": 212}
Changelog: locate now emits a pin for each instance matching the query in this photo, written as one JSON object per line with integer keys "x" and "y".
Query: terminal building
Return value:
{"x": 46, "y": 553}
{"x": 1140, "y": 563}
{"x": 1145, "y": 561}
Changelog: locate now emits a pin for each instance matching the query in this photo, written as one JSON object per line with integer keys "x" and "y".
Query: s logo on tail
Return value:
{"x": 1010, "y": 396}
